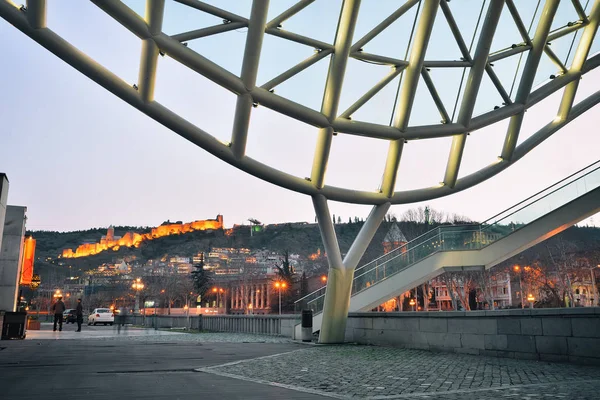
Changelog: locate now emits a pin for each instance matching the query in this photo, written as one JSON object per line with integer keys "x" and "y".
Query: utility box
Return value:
{"x": 307, "y": 324}
{"x": 13, "y": 325}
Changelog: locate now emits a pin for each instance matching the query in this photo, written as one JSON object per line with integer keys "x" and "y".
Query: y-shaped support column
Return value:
{"x": 341, "y": 273}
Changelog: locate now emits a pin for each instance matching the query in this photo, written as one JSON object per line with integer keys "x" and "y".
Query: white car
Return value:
{"x": 101, "y": 316}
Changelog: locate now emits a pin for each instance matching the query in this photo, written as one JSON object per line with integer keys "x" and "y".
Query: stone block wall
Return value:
{"x": 571, "y": 335}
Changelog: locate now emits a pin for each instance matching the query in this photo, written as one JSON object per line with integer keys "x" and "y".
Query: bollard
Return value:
{"x": 307, "y": 323}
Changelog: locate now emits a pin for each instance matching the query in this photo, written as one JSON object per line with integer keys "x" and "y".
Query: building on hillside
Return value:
{"x": 394, "y": 239}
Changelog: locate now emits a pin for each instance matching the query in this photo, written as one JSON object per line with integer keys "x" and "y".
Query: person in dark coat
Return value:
{"x": 79, "y": 315}
{"x": 58, "y": 308}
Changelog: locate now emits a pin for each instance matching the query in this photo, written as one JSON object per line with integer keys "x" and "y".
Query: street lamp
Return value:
{"x": 137, "y": 286}
{"x": 517, "y": 269}
{"x": 280, "y": 286}
{"x": 412, "y": 303}
{"x": 218, "y": 291}
{"x": 530, "y": 299}
{"x": 324, "y": 279}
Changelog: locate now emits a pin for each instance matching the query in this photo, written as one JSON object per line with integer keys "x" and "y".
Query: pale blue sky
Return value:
{"x": 79, "y": 157}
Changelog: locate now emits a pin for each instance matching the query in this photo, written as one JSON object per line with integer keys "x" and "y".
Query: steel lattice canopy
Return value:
{"x": 410, "y": 68}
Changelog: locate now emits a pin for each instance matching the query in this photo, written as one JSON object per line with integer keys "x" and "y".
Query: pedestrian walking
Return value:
{"x": 58, "y": 308}
{"x": 121, "y": 319}
{"x": 79, "y": 315}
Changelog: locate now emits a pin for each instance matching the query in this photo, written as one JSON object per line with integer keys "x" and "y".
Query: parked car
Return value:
{"x": 101, "y": 316}
{"x": 70, "y": 315}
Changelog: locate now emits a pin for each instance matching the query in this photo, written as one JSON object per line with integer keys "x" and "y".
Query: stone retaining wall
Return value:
{"x": 541, "y": 334}
{"x": 277, "y": 325}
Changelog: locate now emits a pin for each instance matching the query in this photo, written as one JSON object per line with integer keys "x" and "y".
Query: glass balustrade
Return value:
{"x": 466, "y": 237}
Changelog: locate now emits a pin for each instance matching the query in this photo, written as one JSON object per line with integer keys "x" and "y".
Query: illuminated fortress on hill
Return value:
{"x": 110, "y": 241}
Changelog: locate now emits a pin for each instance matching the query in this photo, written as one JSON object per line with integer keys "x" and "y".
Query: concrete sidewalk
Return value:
{"x": 101, "y": 363}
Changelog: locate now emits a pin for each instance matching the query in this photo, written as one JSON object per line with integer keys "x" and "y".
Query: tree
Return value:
{"x": 303, "y": 285}
{"x": 202, "y": 280}
{"x": 286, "y": 274}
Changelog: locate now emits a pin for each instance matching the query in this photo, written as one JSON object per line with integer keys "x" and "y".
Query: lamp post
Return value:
{"x": 324, "y": 280}
{"x": 218, "y": 291}
{"x": 594, "y": 293}
{"x": 517, "y": 269}
{"x": 412, "y": 303}
{"x": 280, "y": 286}
{"x": 187, "y": 314}
{"x": 137, "y": 286}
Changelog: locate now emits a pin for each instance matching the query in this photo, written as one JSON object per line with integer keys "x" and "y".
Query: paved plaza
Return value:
{"x": 150, "y": 364}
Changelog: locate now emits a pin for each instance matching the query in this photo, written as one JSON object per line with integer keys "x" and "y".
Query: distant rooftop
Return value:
{"x": 395, "y": 235}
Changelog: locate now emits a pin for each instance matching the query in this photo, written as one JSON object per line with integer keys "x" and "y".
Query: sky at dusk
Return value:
{"x": 78, "y": 157}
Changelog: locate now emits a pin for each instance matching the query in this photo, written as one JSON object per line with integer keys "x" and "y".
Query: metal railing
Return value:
{"x": 466, "y": 237}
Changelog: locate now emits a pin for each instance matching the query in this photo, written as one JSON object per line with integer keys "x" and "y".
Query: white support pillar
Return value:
{"x": 11, "y": 253}
{"x": 341, "y": 273}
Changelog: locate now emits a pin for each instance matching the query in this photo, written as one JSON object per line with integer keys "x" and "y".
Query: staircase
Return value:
{"x": 470, "y": 247}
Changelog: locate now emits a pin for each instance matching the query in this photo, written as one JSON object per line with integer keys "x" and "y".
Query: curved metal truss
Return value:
{"x": 31, "y": 19}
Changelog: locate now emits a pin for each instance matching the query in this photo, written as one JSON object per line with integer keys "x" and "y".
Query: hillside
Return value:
{"x": 303, "y": 239}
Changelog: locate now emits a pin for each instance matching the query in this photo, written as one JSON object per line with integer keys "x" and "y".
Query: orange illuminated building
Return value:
{"x": 28, "y": 257}
{"x": 133, "y": 239}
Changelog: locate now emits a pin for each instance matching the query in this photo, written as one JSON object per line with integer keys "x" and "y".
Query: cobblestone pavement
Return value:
{"x": 384, "y": 373}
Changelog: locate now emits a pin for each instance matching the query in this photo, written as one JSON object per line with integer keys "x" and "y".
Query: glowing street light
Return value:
{"x": 137, "y": 286}
{"x": 280, "y": 286}
{"x": 412, "y": 303}
{"x": 218, "y": 291}
{"x": 530, "y": 299}
{"x": 324, "y": 279}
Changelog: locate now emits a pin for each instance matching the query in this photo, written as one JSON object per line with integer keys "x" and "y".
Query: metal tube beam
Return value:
{"x": 360, "y": 128}
{"x": 295, "y": 70}
{"x": 81, "y": 62}
{"x": 374, "y": 58}
{"x": 243, "y": 109}
{"x": 446, "y": 64}
{"x": 294, "y": 37}
{"x": 407, "y": 93}
{"x": 208, "y": 31}
{"x": 518, "y": 21}
{"x": 287, "y": 14}
{"x": 372, "y": 92}
{"x": 472, "y": 89}
{"x": 436, "y": 97}
{"x": 149, "y": 55}
{"x": 554, "y": 58}
{"x": 580, "y": 10}
{"x": 383, "y": 25}
{"x": 502, "y": 54}
{"x": 289, "y": 108}
{"x": 497, "y": 84}
{"x": 200, "y": 64}
{"x": 579, "y": 59}
{"x": 125, "y": 16}
{"x": 392, "y": 163}
{"x": 413, "y": 71}
{"x": 333, "y": 87}
{"x": 456, "y": 32}
{"x": 339, "y": 282}
{"x": 365, "y": 235}
{"x": 36, "y": 13}
{"x": 216, "y": 11}
{"x": 564, "y": 31}
{"x": 533, "y": 60}
{"x": 479, "y": 62}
